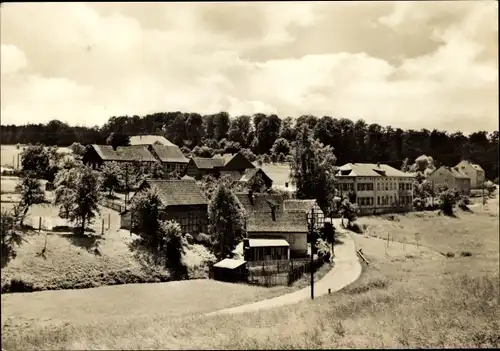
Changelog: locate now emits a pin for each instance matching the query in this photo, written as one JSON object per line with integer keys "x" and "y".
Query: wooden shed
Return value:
{"x": 230, "y": 270}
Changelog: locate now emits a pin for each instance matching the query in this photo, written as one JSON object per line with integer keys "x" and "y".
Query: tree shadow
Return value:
{"x": 89, "y": 242}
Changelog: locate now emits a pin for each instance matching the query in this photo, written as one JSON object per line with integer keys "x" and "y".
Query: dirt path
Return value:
{"x": 346, "y": 270}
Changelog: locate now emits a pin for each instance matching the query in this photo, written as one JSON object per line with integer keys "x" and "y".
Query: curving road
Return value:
{"x": 346, "y": 270}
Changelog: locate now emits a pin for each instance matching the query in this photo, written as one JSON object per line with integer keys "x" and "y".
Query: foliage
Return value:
{"x": 464, "y": 203}
{"x": 447, "y": 200}
{"x": 77, "y": 148}
{"x": 490, "y": 187}
{"x": 116, "y": 139}
{"x": 77, "y": 194}
{"x": 281, "y": 146}
{"x": 203, "y": 151}
{"x": 312, "y": 170}
{"x": 161, "y": 241}
{"x": 111, "y": 176}
{"x": 197, "y": 260}
{"x": 227, "y": 221}
{"x": 11, "y": 238}
{"x": 36, "y": 159}
{"x": 31, "y": 194}
{"x": 348, "y": 211}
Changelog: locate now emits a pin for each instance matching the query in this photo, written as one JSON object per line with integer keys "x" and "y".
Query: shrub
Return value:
{"x": 447, "y": 199}
{"x": 197, "y": 259}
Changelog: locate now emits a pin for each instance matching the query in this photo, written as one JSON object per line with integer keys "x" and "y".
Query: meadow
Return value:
{"x": 435, "y": 289}
{"x": 9, "y": 154}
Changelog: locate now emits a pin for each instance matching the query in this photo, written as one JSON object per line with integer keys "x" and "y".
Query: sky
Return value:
{"x": 405, "y": 64}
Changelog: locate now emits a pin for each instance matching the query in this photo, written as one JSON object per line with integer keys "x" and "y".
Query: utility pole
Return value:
{"x": 126, "y": 184}
{"x": 313, "y": 240}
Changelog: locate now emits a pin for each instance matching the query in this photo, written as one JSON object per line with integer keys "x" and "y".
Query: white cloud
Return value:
{"x": 12, "y": 59}
{"x": 91, "y": 61}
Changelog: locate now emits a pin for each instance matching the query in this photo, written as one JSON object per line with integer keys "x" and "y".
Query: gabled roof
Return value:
{"x": 286, "y": 222}
{"x": 251, "y": 172}
{"x": 455, "y": 172}
{"x": 124, "y": 153}
{"x": 225, "y": 158}
{"x": 207, "y": 162}
{"x": 178, "y": 192}
{"x": 268, "y": 243}
{"x": 280, "y": 173}
{"x": 299, "y": 205}
{"x": 473, "y": 165}
{"x": 169, "y": 153}
{"x": 149, "y": 140}
{"x": 369, "y": 170}
{"x": 261, "y": 202}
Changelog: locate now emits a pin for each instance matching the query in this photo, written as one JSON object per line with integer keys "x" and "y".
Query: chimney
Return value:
{"x": 251, "y": 197}
{"x": 273, "y": 213}
{"x": 378, "y": 164}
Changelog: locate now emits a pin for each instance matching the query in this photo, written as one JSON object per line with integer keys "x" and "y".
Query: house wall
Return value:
{"x": 235, "y": 175}
{"x": 92, "y": 159}
{"x": 297, "y": 241}
{"x": 477, "y": 177}
{"x": 179, "y": 168}
{"x": 125, "y": 220}
{"x": 380, "y": 194}
{"x": 444, "y": 177}
{"x": 193, "y": 219}
{"x": 267, "y": 253}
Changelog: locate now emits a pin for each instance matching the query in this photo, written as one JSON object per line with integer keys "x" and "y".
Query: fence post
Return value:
{"x": 109, "y": 220}
{"x": 39, "y": 224}
{"x": 102, "y": 226}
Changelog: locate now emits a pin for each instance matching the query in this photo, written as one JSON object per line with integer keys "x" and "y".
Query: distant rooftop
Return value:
{"x": 149, "y": 140}
{"x": 370, "y": 170}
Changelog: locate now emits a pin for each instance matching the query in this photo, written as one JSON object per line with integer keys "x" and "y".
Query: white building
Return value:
{"x": 377, "y": 188}
{"x": 474, "y": 171}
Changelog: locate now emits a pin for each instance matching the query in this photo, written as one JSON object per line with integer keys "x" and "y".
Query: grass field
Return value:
{"x": 9, "y": 154}
{"x": 409, "y": 296}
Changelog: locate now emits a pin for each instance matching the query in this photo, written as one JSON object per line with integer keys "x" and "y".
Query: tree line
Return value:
{"x": 351, "y": 141}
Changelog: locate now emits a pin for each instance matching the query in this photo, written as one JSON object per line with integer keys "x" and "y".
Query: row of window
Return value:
{"x": 384, "y": 200}
{"x": 380, "y": 186}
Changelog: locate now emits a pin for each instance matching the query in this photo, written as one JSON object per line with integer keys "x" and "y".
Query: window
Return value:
{"x": 378, "y": 186}
{"x": 371, "y": 201}
{"x": 378, "y": 200}
{"x": 370, "y": 186}
{"x": 386, "y": 186}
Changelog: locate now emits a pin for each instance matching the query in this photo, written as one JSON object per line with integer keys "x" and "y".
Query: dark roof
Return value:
{"x": 299, "y": 205}
{"x": 169, "y": 153}
{"x": 178, "y": 192}
{"x": 286, "y": 222}
{"x": 124, "y": 153}
{"x": 208, "y": 162}
{"x": 260, "y": 202}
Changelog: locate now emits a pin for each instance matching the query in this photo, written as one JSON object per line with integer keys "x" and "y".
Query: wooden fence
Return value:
{"x": 112, "y": 205}
{"x": 273, "y": 273}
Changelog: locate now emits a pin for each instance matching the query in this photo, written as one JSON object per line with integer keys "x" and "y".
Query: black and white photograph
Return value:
{"x": 249, "y": 175}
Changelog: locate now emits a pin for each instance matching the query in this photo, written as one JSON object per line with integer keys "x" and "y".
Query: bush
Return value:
{"x": 197, "y": 259}
{"x": 447, "y": 199}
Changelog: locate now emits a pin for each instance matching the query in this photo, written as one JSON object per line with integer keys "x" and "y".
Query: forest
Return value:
{"x": 351, "y": 141}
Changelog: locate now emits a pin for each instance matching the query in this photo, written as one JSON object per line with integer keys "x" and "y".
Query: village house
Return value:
{"x": 376, "y": 188}
{"x": 96, "y": 155}
{"x": 233, "y": 165}
{"x": 474, "y": 171}
{"x": 452, "y": 177}
{"x": 288, "y": 225}
{"x": 306, "y": 206}
{"x": 171, "y": 158}
{"x": 266, "y": 218}
{"x": 182, "y": 201}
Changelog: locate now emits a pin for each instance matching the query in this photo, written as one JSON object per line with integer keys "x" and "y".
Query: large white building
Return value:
{"x": 377, "y": 188}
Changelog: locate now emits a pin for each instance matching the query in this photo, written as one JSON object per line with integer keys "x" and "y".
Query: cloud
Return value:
{"x": 12, "y": 59}
{"x": 407, "y": 64}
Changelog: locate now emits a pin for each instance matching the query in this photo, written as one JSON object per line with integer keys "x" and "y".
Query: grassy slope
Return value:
{"x": 408, "y": 297}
